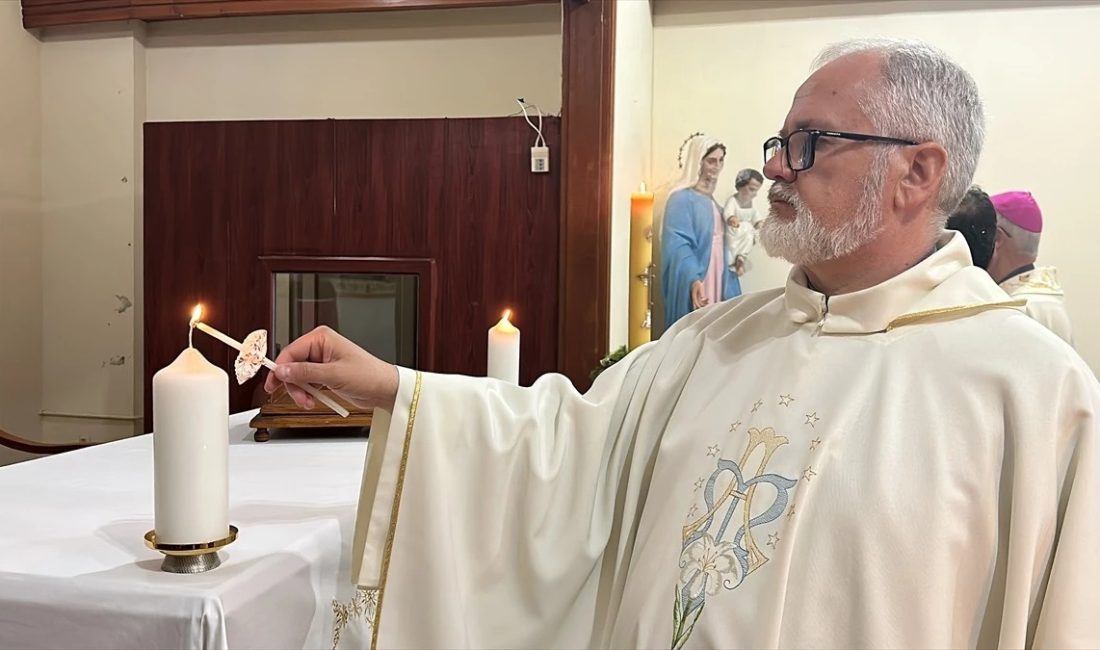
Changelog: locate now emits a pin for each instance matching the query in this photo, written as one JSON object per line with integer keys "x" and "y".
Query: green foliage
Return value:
{"x": 609, "y": 361}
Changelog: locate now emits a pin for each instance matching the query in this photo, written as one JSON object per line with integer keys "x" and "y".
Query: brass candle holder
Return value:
{"x": 190, "y": 558}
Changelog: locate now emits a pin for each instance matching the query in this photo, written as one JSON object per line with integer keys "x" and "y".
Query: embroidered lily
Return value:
{"x": 705, "y": 565}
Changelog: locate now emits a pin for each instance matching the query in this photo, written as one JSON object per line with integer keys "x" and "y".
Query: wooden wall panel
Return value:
{"x": 502, "y": 224}
{"x": 460, "y": 192}
{"x": 225, "y": 198}
{"x": 389, "y": 197}
{"x": 465, "y": 229}
{"x": 279, "y": 185}
{"x": 281, "y": 176}
{"x": 186, "y": 242}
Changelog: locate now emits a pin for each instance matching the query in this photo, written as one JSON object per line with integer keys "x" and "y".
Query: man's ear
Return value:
{"x": 924, "y": 175}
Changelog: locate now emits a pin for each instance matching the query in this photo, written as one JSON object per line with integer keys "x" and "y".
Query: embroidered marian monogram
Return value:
{"x": 719, "y": 548}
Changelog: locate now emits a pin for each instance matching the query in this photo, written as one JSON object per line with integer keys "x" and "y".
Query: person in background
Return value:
{"x": 976, "y": 219}
{"x": 742, "y": 219}
{"x": 1019, "y": 228}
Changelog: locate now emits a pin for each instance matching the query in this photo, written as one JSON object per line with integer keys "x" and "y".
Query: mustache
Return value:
{"x": 780, "y": 191}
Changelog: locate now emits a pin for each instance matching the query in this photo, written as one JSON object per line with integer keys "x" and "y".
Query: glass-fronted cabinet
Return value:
{"x": 378, "y": 311}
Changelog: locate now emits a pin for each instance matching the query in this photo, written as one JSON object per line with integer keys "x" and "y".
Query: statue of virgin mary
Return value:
{"x": 694, "y": 268}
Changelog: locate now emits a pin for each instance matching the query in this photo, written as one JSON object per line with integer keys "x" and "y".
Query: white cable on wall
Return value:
{"x": 523, "y": 106}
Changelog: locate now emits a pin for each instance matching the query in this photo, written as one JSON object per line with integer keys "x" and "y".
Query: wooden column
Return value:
{"x": 588, "y": 76}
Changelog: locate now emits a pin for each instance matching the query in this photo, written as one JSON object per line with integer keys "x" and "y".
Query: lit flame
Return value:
{"x": 641, "y": 188}
{"x": 507, "y": 315}
{"x": 196, "y": 315}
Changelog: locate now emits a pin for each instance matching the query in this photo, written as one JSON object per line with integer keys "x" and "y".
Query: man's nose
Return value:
{"x": 776, "y": 168}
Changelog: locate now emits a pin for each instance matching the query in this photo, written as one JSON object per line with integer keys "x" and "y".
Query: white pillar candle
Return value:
{"x": 190, "y": 451}
{"x": 503, "y": 359}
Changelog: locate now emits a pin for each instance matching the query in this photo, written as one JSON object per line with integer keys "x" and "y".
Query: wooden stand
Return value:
{"x": 280, "y": 412}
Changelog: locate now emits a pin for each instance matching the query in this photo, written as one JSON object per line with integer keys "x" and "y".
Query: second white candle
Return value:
{"x": 503, "y": 356}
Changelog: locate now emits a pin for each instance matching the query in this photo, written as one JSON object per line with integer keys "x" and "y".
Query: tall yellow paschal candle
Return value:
{"x": 641, "y": 254}
{"x": 191, "y": 451}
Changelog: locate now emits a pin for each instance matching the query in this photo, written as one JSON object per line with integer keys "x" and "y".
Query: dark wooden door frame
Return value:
{"x": 588, "y": 91}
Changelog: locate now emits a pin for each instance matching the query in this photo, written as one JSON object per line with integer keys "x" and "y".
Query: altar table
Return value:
{"x": 75, "y": 571}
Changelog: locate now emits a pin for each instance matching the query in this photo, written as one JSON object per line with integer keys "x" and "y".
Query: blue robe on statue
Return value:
{"x": 686, "y": 238}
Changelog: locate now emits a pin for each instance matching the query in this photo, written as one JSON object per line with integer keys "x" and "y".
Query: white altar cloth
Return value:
{"x": 75, "y": 571}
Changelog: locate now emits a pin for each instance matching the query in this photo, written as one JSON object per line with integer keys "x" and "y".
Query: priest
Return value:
{"x": 853, "y": 460}
{"x": 1016, "y": 248}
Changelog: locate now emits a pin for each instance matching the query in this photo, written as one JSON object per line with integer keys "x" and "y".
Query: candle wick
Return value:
{"x": 191, "y": 337}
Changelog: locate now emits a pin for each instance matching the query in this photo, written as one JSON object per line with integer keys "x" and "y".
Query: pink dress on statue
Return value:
{"x": 712, "y": 282}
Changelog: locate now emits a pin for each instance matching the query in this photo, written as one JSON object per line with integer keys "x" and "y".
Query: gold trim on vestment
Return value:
{"x": 361, "y": 607}
{"x": 388, "y": 548}
{"x": 960, "y": 310}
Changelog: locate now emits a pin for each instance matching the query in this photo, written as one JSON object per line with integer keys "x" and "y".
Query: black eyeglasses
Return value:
{"x": 799, "y": 146}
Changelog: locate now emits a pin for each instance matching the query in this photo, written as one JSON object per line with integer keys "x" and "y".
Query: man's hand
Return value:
{"x": 739, "y": 265}
{"x": 324, "y": 358}
{"x": 697, "y": 298}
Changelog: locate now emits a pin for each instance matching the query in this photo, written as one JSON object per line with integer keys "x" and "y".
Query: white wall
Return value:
{"x": 632, "y": 129}
{"x": 92, "y": 110}
{"x": 454, "y": 63}
{"x": 732, "y": 72}
{"x": 20, "y": 230}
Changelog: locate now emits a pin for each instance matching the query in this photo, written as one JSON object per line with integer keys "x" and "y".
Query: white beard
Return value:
{"x": 804, "y": 241}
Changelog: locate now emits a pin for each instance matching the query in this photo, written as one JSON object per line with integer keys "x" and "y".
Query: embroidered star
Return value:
{"x": 735, "y": 426}
{"x": 790, "y": 513}
{"x": 785, "y": 400}
{"x": 773, "y": 540}
{"x": 814, "y": 443}
{"x": 694, "y": 511}
{"x": 809, "y": 473}
{"x": 698, "y": 484}
{"x": 713, "y": 450}
{"x": 757, "y": 405}
{"x": 812, "y": 419}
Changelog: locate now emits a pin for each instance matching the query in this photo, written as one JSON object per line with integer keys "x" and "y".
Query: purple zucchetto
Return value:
{"x": 1020, "y": 208}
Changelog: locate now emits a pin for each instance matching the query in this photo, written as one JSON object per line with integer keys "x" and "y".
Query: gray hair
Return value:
{"x": 1025, "y": 241}
{"x": 924, "y": 96}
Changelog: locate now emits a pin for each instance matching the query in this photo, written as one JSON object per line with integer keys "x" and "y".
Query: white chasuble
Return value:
{"x": 910, "y": 466}
{"x": 1045, "y": 299}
